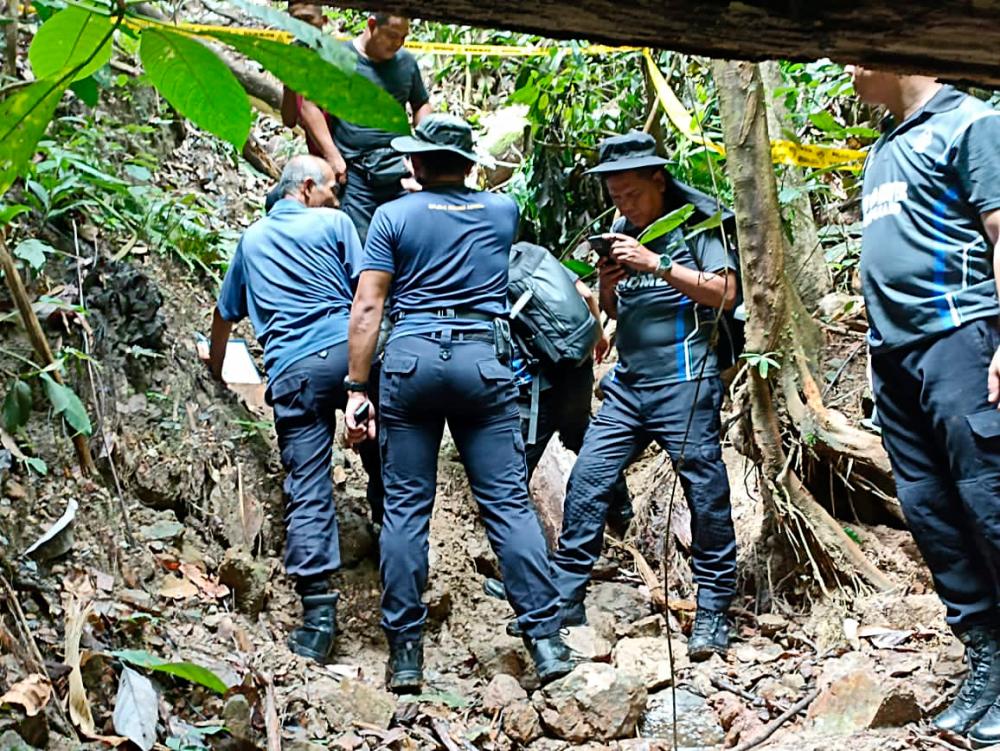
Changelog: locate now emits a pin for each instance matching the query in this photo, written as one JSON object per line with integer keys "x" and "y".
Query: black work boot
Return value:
{"x": 620, "y": 516}
{"x": 494, "y": 588}
{"x": 570, "y": 613}
{"x": 980, "y": 688}
{"x": 314, "y": 638}
{"x": 404, "y": 672}
{"x": 553, "y": 659}
{"x": 709, "y": 635}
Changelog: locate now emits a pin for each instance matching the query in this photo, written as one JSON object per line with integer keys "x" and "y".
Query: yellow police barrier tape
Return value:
{"x": 782, "y": 152}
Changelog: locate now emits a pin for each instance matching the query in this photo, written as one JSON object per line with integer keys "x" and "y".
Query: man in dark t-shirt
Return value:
{"x": 665, "y": 295}
{"x": 371, "y": 172}
{"x": 930, "y": 249}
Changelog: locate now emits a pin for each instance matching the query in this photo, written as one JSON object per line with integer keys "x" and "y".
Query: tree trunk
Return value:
{"x": 778, "y": 327}
{"x": 806, "y": 270}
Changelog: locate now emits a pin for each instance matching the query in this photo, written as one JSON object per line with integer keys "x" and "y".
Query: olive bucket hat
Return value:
{"x": 634, "y": 150}
{"x": 438, "y": 133}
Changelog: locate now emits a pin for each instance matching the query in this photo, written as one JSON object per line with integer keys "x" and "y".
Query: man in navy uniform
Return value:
{"x": 931, "y": 212}
{"x": 292, "y": 275}
{"x": 665, "y": 386}
{"x": 441, "y": 256}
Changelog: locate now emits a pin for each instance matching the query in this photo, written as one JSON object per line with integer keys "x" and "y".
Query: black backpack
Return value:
{"x": 550, "y": 320}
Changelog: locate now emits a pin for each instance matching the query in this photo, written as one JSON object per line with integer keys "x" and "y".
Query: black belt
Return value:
{"x": 458, "y": 314}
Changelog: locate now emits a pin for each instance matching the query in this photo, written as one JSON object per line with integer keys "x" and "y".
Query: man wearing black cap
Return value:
{"x": 441, "y": 256}
{"x": 665, "y": 386}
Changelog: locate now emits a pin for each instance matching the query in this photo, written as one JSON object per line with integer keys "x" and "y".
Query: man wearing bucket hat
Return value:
{"x": 441, "y": 256}
{"x": 665, "y": 387}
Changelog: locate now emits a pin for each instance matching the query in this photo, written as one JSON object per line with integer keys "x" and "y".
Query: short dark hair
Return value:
{"x": 443, "y": 163}
{"x": 381, "y": 18}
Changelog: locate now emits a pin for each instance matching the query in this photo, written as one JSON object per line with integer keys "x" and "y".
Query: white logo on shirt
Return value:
{"x": 885, "y": 200}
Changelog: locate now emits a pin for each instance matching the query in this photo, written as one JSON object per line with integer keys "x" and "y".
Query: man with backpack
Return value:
{"x": 666, "y": 296}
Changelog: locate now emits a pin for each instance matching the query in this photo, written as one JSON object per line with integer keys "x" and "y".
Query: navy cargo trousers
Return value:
{"x": 454, "y": 377}
{"x": 943, "y": 440}
{"x": 631, "y": 416}
{"x": 305, "y": 397}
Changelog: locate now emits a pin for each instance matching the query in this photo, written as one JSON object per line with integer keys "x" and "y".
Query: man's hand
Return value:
{"x": 627, "y": 251}
{"x": 339, "y": 167}
{"x": 602, "y": 348}
{"x": 993, "y": 381}
{"x": 609, "y": 273}
{"x": 410, "y": 185}
{"x": 214, "y": 368}
{"x": 353, "y": 432}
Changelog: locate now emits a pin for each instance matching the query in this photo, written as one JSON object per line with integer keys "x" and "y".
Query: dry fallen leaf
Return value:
{"x": 136, "y": 709}
{"x": 204, "y": 583}
{"x": 32, "y": 694}
{"x": 339, "y": 476}
{"x": 175, "y": 588}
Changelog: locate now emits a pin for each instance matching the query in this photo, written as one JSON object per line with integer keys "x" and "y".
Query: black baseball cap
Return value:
{"x": 634, "y": 150}
{"x": 438, "y": 132}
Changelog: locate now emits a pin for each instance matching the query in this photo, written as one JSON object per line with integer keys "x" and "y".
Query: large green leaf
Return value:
{"x": 581, "y": 268}
{"x": 33, "y": 252}
{"x": 325, "y": 45}
{"x": 68, "y": 39}
{"x": 24, "y": 116}
{"x": 344, "y": 94}
{"x": 65, "y": 402}
{"x": 17, "y": 406}
{"x": 197, "y": 83}
{"x": 186, "y": 670}
{"x": 666, "y": 224}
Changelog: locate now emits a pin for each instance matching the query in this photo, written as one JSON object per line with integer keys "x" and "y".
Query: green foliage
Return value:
{"x": 17, "y": 406}
{"x": 68, "y": 40}
{"x": 65, "y": 402}
{"x": 197, "y": 83}
{"x": 764, "y": 363}
{"x": 33, "y": 253}
{"x": 666, "y": 224}
{"x": 186, "y": 670}
{"x": 325, "y": 45}
{"x": 24, "y": 115}
{"x": 581, "y": 268}
{"x": 341, "y": 92}
{"x": 9, "y": 213}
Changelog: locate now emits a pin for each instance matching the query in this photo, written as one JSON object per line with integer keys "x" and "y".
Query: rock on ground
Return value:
{"x": 626, "y": 603}
{"x": 501, "y": 692}
{"x": 521, "y": 723}
{"x": 594, "y": 702}
{"x": 248, "y": 578}
{"x": 587, "y": 643}
{"x": 647, "y": 657}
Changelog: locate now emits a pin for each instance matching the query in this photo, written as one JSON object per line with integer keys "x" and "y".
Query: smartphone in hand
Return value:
{"x": 600, "y": 245}
{"x": 362, "y": 413}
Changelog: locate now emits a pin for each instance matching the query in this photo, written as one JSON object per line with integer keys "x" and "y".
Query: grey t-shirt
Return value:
{"x": 662, "y": 335}
{"x": 400, "y": 76}
{"x": 926, "y": 265}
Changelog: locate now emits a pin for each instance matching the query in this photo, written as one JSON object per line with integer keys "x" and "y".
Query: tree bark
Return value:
{"x": 777, "y": 326}
{"x": 806, "y": 269}
{"x": 10, "y": 38}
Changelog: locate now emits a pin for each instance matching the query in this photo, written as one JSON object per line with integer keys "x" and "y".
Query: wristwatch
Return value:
{"x": 355, "y": 386}
{"x": 666, "y": 262}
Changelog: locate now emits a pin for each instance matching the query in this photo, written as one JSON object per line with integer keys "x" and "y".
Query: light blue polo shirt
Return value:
{"x": 294, "y": 274}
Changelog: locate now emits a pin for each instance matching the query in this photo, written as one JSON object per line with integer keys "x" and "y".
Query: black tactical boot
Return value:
{"x": 709, "y": 635}
{"x": 620, "y": 516}
{"x": 571, "y": 614}
{"x": 314, "y": 638}
{"x": 494, "y": 588}
{"x": 980, "y": 688}
{"x": 404, "y": 672}
{"x": 986, "y": 732}
{"x": 552, "y": 657}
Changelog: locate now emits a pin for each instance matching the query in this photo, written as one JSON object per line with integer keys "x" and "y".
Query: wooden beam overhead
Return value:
{"x": 958, "y": 40}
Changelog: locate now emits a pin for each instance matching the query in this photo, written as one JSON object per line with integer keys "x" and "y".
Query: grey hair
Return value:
{"x": 298, "y": 170}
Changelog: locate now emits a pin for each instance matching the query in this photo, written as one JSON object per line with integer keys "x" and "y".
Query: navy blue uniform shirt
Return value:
{"x": 293, "y": 274}
{"x": 926, "y": 265}
{"x": 662, "y": 335}
{"x": 445, "y": 248}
